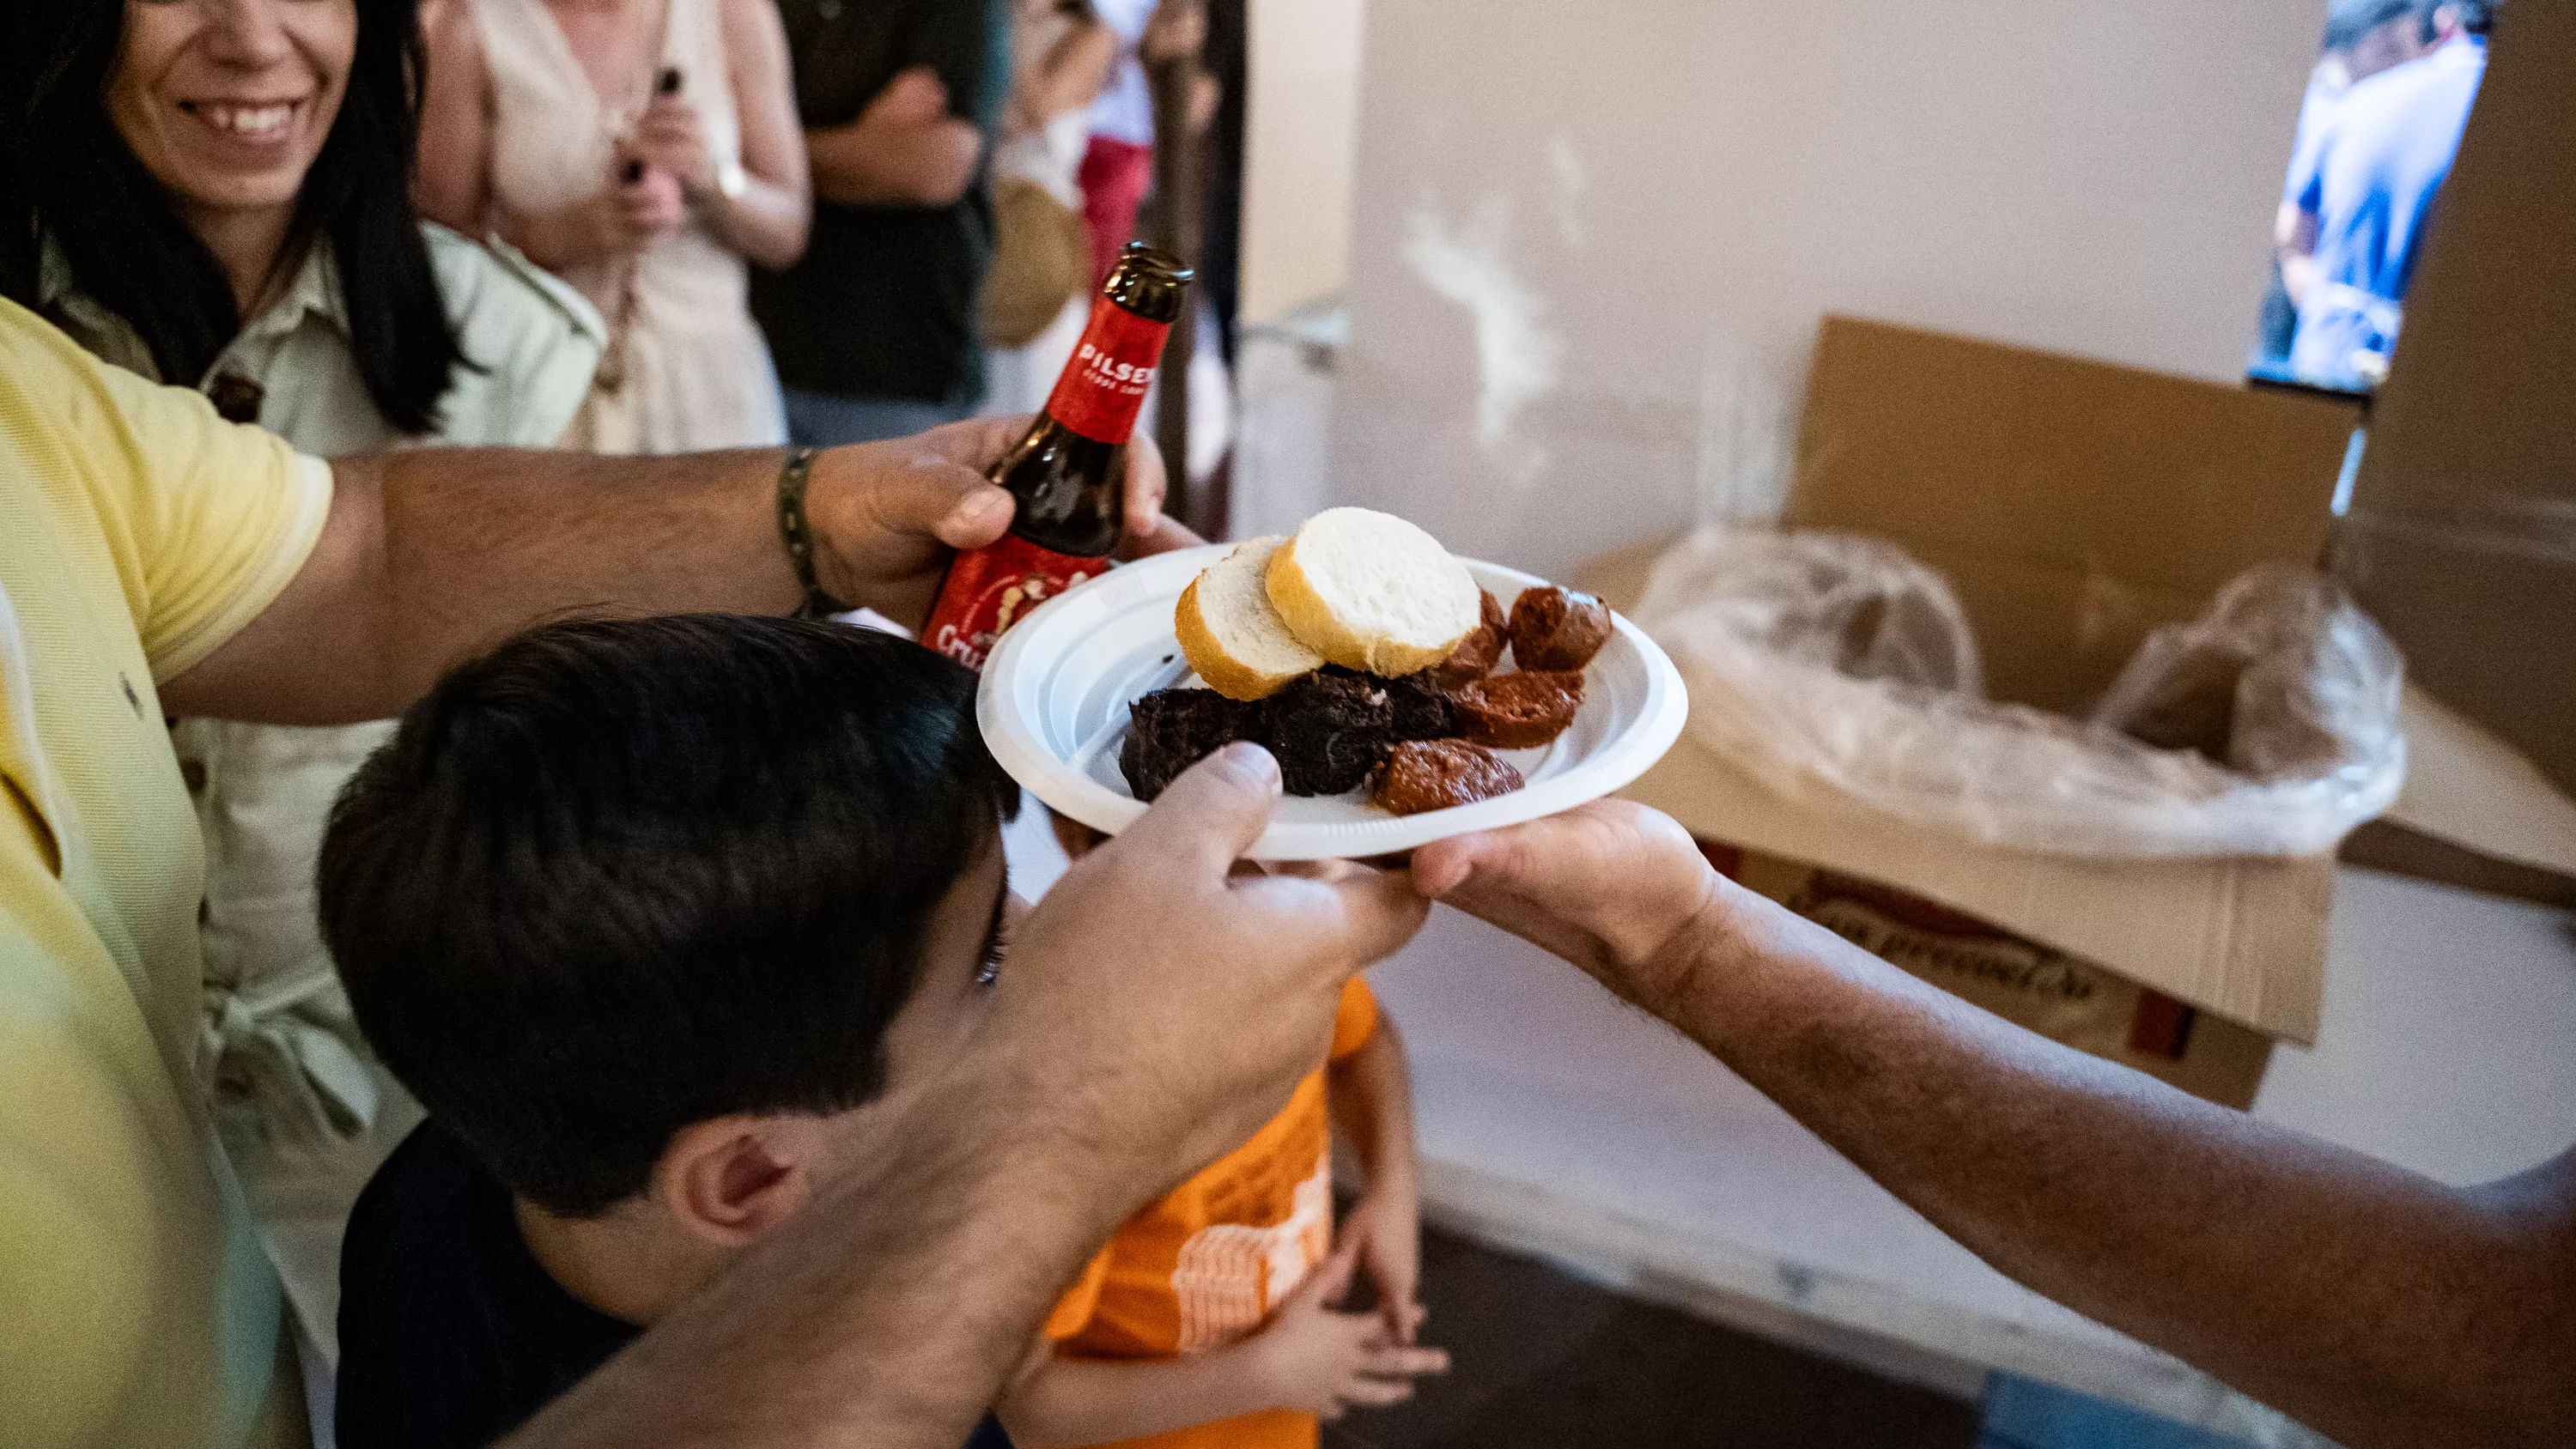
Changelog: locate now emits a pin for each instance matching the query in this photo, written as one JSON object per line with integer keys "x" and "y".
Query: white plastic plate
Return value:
{"x": 1053, "y": 707}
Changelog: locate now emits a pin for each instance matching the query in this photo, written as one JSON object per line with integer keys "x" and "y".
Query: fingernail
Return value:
{"x": 1255, "y": 764}
{"x": 990, "y": 505}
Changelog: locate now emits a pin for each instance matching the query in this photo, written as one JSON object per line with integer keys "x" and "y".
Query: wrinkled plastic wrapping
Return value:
{"x": 1826, "y": 662}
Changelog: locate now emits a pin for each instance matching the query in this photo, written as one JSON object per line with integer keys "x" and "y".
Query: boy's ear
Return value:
{"x": 729, "y": 1181}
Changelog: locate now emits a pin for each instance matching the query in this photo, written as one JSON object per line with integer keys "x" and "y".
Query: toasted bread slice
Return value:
{"x": 1230, "y": 633}
{"x": 1370, "y": 591}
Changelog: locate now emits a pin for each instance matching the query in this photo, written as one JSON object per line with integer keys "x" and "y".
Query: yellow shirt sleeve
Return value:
{"x": 207, "y": 520}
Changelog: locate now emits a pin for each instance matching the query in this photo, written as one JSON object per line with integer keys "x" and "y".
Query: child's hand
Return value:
{"x": 1324, "y": 1362}
{"x": 1384, "y": 1229}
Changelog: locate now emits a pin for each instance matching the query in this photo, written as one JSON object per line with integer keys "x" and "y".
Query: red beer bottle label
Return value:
{"x": 1097, "y": 396}
{"x": 993, "y": 587}
{"x": 1103, "y": 386}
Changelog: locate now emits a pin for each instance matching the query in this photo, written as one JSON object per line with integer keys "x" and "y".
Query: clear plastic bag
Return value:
{"x": 1826, "y": 662}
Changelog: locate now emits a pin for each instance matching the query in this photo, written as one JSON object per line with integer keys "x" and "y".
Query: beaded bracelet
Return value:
{"x": 798, "y": 536}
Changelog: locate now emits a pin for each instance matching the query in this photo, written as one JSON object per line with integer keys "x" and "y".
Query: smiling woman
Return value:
{"x": 228, "y": 106}
{"x": 235, "y": 136}
{"x": 221, "y": 196}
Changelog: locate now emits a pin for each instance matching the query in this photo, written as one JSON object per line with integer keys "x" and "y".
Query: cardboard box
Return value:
{"x": 2073, "y": 506}
{"x": 2461, "y": 536}
{"x": 2031, "y": 983}
{"x": 2475, "y": 813}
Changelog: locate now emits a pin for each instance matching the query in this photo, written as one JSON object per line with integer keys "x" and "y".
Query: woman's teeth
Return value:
{"x": 251, "y": 121}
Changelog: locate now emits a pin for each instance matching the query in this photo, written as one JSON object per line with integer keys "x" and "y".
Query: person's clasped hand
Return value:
{"x": 915, "y": 95}
{"x": 641, "y": 201}
{"x": 1176, "y": 998}
{"x": 670, "y": 137}
{"x": 887, "y": 516}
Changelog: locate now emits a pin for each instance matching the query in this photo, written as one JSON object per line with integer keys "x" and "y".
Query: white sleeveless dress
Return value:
{"x": 686, "y": 368}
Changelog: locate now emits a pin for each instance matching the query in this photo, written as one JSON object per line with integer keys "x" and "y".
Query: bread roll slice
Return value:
{"x": 1370, "y": 591}
{"x": 1232, "y": 636}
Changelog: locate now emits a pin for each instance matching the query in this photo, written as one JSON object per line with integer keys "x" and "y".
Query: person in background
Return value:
{"x": 1118, "y": 163}
{"x": 2362, "y": 184}
{"x": 221, "y": 200}
{"x": 1118, "y": 167}
{"x": 1043, "y": 252}
{"x": 875, "y": 328}
{"x": 645, "y": 151}
{"x": 1227, "y": 57}
{"x": 1211, "y": 1320}
{"x": 2362, "y": 38}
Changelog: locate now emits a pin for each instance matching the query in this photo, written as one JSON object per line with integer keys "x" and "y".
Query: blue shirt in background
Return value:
{"x": 2370, "y": 177}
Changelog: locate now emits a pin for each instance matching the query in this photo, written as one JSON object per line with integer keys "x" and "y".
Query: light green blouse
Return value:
{"x": 533, "y": 339}
{"x": 304, "y": 1111}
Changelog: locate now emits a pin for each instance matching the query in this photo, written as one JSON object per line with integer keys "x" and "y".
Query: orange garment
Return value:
{"x": 1206, "y": 1265}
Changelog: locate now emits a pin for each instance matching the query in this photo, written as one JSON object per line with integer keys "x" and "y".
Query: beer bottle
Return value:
{"x": 1069, "y": 474}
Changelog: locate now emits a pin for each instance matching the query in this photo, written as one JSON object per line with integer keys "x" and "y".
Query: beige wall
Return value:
{"x": 1591, "y": 241}
{"x": 1304, "y": 112}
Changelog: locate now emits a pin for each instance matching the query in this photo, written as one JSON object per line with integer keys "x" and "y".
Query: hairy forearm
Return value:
{"x": 887, "y": 1314}
{"x": 1070, "y": 1401}
{"x": 868, "y": 163}
{"x": 2377, "y": 1305}
{"x": 1371, "y": 1094}
{"x": 432, "y": 556}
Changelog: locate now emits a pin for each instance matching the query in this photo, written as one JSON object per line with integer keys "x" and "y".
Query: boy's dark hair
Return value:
{"x": 618, "y": 877}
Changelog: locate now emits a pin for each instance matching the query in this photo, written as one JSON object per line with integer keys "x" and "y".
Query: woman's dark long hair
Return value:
{"x": 131, "y": 253}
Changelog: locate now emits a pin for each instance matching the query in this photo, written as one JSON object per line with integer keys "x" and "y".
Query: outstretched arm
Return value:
{"x": 2377, "y": 1305}
{"x": 433, "y": 555}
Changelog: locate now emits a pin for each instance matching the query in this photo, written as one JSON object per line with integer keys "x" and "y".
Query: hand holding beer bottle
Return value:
{"x": 1067, "y": 475}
